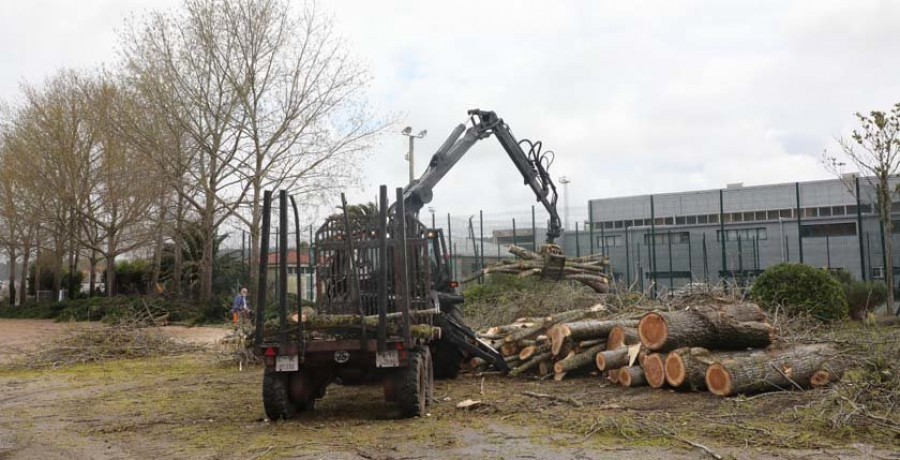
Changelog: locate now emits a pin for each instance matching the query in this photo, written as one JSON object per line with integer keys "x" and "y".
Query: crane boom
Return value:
{"x": 533, "y": 166}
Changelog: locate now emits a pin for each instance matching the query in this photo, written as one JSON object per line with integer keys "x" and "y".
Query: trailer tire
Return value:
{"x": 413, "y": 385}
{"x": 276, "y": 396}
{"x": 447, "y": 356}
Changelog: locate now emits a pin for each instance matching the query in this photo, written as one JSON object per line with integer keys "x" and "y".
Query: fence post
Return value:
{"x": 827, "y": 252}
{"x": 481, "y": 230}
{"x": 652, "y": 249}
{"x": 577, "y": 242}
{"x": 312, "y": 271}
{"x": 869, "y": 254}
{"x": 862, "y": 259}
{"x": 640, "y": 267}
{"x": 627, "y": 260}
{"x": 602, "y": 240}
{"x": 705, "y": 261}
{"x": 671, "y": 266}
{"x": 533, "y": 231}
{"x": 450, "y": 246}
{"x": 591, "y": 227}
{"x": 514, "y": 232}
{"x": 690, "y": 259}
{"x": 722, "y": 235}
{"x": 883, "y": 253}
{"x": 799, "y": 222}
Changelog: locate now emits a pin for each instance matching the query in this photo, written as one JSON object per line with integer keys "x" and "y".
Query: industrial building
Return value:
{"x": 734, "y": 233}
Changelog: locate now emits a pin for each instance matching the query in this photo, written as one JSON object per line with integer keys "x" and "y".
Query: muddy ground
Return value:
{"x": 201, "y": 406}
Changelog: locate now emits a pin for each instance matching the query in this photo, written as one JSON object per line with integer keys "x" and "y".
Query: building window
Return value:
{"x": 760, "y": 215}
{"x": 714, "y": 218}
{"x": 838, "y": 211}
{"x": 669, "y": 221}
{"x": 663, "y": 238}
{"x": 745, "y": 234}
{"x": 810, "y": 212}
{"x": 702, "y": 219}
{"x": 823, "y": 230}
{"x": 692, "y": 220}
{"x": 608, "y": 225}
{"x": 737, "y": 217}
{"x": 612, "y": 241}
{"x": 825, "y": 211}
{"x": 772, "y": 215}
{"x": 619, "y": 224}
{"x": 786, "y": 213}
{"x": 679, "y": 221}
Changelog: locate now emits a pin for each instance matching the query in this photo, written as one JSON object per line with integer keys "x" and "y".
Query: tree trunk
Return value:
{"x": 158, "y": 248}
{"x": 884, "y": 214}
{"x": 578, "y": 361}
{"x": 581, "y": 330}
{"x": 655, "y": 370}
{"x": 23, "y": 284}
{"x": 778, "y": 369}
{"x": 255, "y": 230}
{"x": 111, "y": 275}
{"x": 612, "y": 359}
{"x": 12, "y": 274}
{"x": 92, "y": 277}
{"x": 178, "y": 243}
{"x": 733, "y": 326}
{"x": 206, "y": 260}
{"x": 632, "y": 376}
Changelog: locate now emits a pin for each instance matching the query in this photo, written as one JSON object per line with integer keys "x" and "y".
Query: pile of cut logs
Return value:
{"x": 590, "y": 270}
{"x": 726, "y": 349}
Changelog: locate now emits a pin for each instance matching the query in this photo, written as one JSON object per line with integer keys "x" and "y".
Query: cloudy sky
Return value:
{"x": 634, "y": 97}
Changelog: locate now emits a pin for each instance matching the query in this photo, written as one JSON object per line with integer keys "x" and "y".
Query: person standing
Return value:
{"x": 240, "y": 308}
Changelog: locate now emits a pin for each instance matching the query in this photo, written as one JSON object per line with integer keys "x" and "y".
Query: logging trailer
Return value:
{"x": 386, "y": 306}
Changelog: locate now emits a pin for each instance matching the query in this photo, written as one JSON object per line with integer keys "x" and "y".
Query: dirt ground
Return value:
{"x": 200, "y": 406}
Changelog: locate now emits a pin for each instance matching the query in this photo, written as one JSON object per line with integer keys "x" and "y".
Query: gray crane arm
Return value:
{"x": 485, "y": 123}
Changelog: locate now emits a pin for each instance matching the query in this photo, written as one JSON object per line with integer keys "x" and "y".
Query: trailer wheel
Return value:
{"x": 447, "y": 356}
{"x": 276, "y": 396}
{"x": 413, "y": 385}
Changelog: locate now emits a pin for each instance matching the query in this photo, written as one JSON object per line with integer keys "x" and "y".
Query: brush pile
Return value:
{"x": 726, "y": 349}
{"x": 590, "y": 271}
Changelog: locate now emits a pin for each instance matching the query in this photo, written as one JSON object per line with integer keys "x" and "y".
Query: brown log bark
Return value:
{"x": 733, "y": 326}
{"x": 655, "y": 370}
{"x": 544, "y": 367}
{"x": 776, "y": 369}
{"x": 686, "y": 368}
{"x": 585, "y": 344}
{"x": 554, "y": 319}
{"x": 530, "y": 364}
{"x": 632, "y": 376}
{"x": 578, "y": 361}
{"x": 622, "y": 336}
{"x": 612, "y": 359}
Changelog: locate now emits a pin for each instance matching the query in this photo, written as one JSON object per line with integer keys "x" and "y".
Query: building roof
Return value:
{"x": 291, "y": 258}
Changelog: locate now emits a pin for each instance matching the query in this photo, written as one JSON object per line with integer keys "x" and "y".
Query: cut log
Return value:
{"x": 613, "y": 376}
{"x": 578, "y": 361}
{"x": 686, "y": 368}
{"x": 655, "y": 370}
{"x": 584, "y": 330}
{"x": 557, "y": 376}
{"x": 632, "y": 376}
{"x": 585, "y": 344}
{"x": 509, "y": 349}
{"x": 532, "y": 350}
{"x": 777, "y": 369}
{"x": 544, "y": 367}
{"x": 621, "y": 335}
{"x": 612, "y": 359}
{"x": 734, "y": 326}
{"x": 523, "y": 253}
{"x": 530, "y": 364}
{"x": 552, "y": 320}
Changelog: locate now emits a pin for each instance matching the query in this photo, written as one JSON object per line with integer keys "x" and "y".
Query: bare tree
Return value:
{"x": 181, "y": 63}
{"x": 305, "y": 120}
{"x": 875, "y": 150}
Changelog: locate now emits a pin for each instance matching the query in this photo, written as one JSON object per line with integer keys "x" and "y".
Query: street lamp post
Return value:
{"x": 565, "y": 182}
{"x": 410, "y": 156}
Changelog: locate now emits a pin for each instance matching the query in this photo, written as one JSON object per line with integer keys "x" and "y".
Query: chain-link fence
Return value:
{"x": 662, "y": 243}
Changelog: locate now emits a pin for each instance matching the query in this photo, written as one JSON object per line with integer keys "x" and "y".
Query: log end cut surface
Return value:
{"x": 654, "y": 370}
{"x": 624, "y": 377}
{"x": 820, "y": 378}
{"x": 675, "y": 371}
{"x": 653, "y": 330}
{"x": 718, "y": 380}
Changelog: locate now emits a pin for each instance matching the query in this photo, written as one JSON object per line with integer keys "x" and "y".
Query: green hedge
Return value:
{"x": 801, "y": 289}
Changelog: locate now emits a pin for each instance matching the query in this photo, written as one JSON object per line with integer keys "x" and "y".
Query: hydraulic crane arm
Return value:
{"x": 533, "y": 166}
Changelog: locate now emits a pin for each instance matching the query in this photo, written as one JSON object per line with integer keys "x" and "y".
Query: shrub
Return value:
{"x": 801, "y": 289}
{"x": 863, "y": 297}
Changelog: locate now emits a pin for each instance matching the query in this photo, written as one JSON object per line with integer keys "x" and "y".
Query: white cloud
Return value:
{"x": 634, "y": 97}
